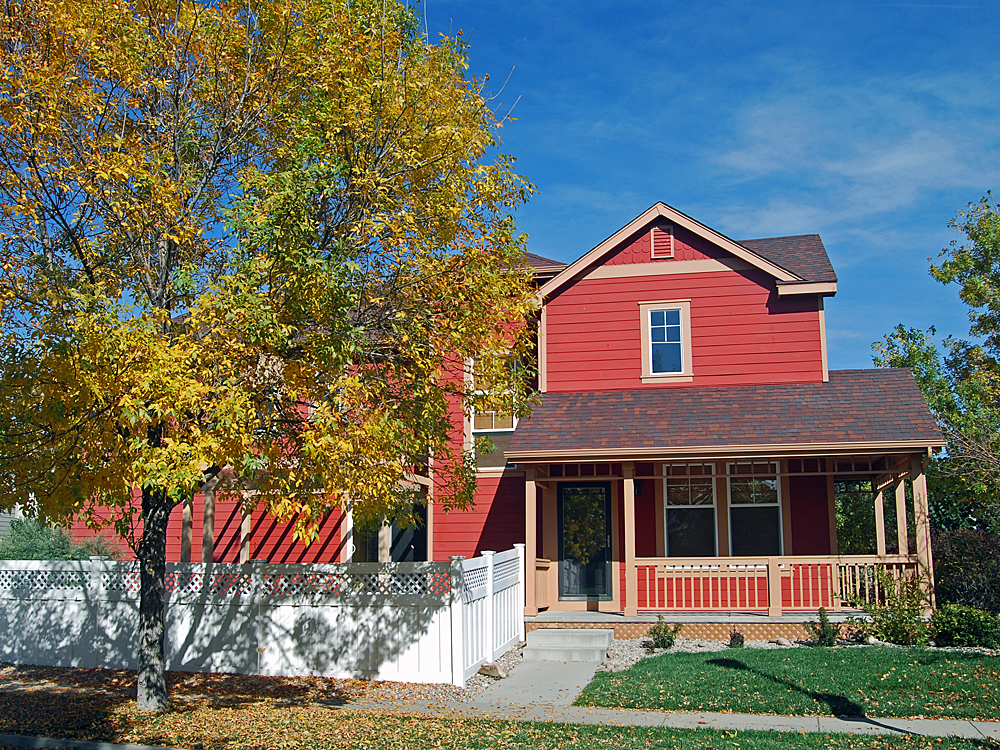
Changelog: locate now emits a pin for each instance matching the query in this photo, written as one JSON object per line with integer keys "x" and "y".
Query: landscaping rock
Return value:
{"x": 492, "y": 670}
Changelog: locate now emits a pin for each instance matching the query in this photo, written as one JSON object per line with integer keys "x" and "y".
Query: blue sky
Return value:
{"x": 871, "y": 124}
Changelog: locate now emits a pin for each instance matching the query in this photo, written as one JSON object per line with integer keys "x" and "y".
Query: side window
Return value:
{"x": 496, "y": 427}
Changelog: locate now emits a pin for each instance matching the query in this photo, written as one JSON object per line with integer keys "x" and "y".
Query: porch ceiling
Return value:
{"x": 856, "y": 411}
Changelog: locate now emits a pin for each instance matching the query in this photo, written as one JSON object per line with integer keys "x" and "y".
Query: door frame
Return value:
{"x": 611, "y": 538}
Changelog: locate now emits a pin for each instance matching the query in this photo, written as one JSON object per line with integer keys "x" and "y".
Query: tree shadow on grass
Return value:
{"x": 838, "y": 704}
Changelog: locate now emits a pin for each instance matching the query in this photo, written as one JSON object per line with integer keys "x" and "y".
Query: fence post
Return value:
{"x": 490, "y": 630}
{"x": 521, "y": 589}
{"x": 457, "y": 622}
{"x": 256, "y": 594}
{"x": 773, "y": 587}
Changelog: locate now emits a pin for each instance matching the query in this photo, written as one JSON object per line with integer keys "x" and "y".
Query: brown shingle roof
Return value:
{"x": 537, "y": 261}
{"x": 802, "y": 254}
{"x": 878, "y": 408}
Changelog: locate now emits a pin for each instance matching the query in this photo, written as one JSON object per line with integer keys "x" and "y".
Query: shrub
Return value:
{"x": 30, "y": 539}
{"x": 967, "y": 568}
{"x": 824, "y": 632}
{"x": 898, "y": 617}
{"x": 736, "y": 639}
{"x": 958, "y": 625}
{"x": 662, "y": 635}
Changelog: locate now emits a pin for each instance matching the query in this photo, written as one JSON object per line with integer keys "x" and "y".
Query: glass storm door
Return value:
{"x": 585, "y": 541}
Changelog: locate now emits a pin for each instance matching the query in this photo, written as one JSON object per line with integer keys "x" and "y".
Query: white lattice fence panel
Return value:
{"x": 350, "y": 583}
{"x": 42, "y": 580}
{"x": 121, "y": 581}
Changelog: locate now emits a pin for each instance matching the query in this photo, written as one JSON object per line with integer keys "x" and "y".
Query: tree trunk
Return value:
{"x": 152, "y": 689}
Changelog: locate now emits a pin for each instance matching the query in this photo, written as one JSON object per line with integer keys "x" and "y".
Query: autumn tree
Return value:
{"x": 961, "y": 379}
{"x": 264, "y": 239}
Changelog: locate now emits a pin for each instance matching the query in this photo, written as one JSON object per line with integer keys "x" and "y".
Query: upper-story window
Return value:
{"x": 666, "y": 341}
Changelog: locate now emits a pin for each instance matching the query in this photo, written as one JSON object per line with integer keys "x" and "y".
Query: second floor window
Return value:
{"x": 665, "y": 341}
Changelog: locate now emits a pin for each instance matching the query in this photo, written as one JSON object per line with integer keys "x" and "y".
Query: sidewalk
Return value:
{"x": 545, "y": 691}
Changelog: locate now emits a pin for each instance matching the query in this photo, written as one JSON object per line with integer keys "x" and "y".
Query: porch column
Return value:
{"x": 246, "y": 525}
{"x": 631, "y": 583}
{"x": 530, "y": 543}
{"x": 902, "y": 533}
{"x": 208, "y": 529}
{"x": 879, "y": 522}
{"x": 187, "y": 532}
{"x": 922, "y": 522}
{"x": 347, "y": 531}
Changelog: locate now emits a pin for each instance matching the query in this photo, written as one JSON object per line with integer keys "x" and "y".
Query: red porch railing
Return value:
{"x": 764, "y": 584}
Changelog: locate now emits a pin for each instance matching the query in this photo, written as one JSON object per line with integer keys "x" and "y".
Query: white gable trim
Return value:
{"x": 662, "y": 210}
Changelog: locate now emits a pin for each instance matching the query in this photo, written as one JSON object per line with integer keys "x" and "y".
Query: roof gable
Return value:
{"x": 802, "y": 254}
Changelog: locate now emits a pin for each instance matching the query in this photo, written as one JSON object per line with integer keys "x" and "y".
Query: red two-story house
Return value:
{"x": 686, "y": 448}
{"x": 689, "y": 436}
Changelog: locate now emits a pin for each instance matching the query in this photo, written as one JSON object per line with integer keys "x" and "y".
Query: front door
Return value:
{"x": 585, "y": 541}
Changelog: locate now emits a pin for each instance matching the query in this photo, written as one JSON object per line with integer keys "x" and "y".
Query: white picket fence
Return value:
{"x": 413, "y": 622}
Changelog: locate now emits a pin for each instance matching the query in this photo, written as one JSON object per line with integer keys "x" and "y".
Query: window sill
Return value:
{"x": 680, "y": 377}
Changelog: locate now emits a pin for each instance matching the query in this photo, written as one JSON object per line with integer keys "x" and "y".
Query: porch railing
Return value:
{"x": 764, "y": 584}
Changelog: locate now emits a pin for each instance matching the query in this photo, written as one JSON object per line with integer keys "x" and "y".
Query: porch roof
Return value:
{"x": 856, "y": 411}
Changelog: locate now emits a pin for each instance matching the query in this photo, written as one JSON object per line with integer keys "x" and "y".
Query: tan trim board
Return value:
{"x": 818, "y": 287}
{"x": 822, "y": 341}
{"x": 666, "y": 268}
{"x": 659, "y": 210}
{"x": 543, "y": 357}
{"x": 722, "y": 451}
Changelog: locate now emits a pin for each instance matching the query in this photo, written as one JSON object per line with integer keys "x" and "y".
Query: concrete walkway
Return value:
{"x": 545, "y": 691}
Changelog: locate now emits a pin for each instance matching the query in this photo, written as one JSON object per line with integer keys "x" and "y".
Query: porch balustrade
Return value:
{"x": 764, "y": 584}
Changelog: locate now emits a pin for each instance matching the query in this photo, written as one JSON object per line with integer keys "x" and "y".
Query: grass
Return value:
{"x": 877, "y": 682}
{"x": 239, "y": 713}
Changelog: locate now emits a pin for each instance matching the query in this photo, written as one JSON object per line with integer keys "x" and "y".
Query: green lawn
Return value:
{"x": 886, "y": 682}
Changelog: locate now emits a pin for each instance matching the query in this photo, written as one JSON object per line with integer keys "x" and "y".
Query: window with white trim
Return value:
{"x": 754, "y": 509}
{"x": 689, "y": 510}
{"x": 497, "y": 429}
{"x": 666, "y": 341}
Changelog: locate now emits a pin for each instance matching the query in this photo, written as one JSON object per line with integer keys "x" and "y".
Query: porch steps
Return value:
{"x": 568, "y": 644}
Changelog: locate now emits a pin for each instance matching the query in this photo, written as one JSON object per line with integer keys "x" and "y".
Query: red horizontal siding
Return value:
{"x": 495, "y": 523}
{"x": 741, "y": 331}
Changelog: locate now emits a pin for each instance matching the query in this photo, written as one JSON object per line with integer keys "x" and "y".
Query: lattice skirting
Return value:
{"x": 719, "y": 631}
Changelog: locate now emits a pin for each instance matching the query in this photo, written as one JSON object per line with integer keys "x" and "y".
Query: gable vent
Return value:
{"x": 662, "y": 241}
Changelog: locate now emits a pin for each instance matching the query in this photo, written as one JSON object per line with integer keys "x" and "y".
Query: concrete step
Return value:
{"x": 568, "y": 644}
{"x": 565, "y": 654}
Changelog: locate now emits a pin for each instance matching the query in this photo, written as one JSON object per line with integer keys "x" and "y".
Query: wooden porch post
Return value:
{"x": 187, "y": 532}
{"x": 246, "y": 525}
{"x": 902, "y": 533}
{"x": 922, "y": 522}
{"x": 530, "y": 543}
{"x": 208, "y": 529}
{"x": 831, "y": 507}
{"x": 631, "y": 583}
{"x": 879, "y": 522}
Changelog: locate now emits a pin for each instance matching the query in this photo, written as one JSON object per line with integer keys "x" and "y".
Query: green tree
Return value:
{"x": 256, "y": 239}
{"x": 961, "y": 379}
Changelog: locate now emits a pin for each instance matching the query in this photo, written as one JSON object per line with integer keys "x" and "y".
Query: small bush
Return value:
{"x": 898, "y": 618}
{"x": 30, "y": 539}
{"x": 662, "y": 635}
{"x": 824, "y": 632}
{"x": 736, "y": 639}
{"x": 967, "y": 568}
{"x": 958, "y": 625}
